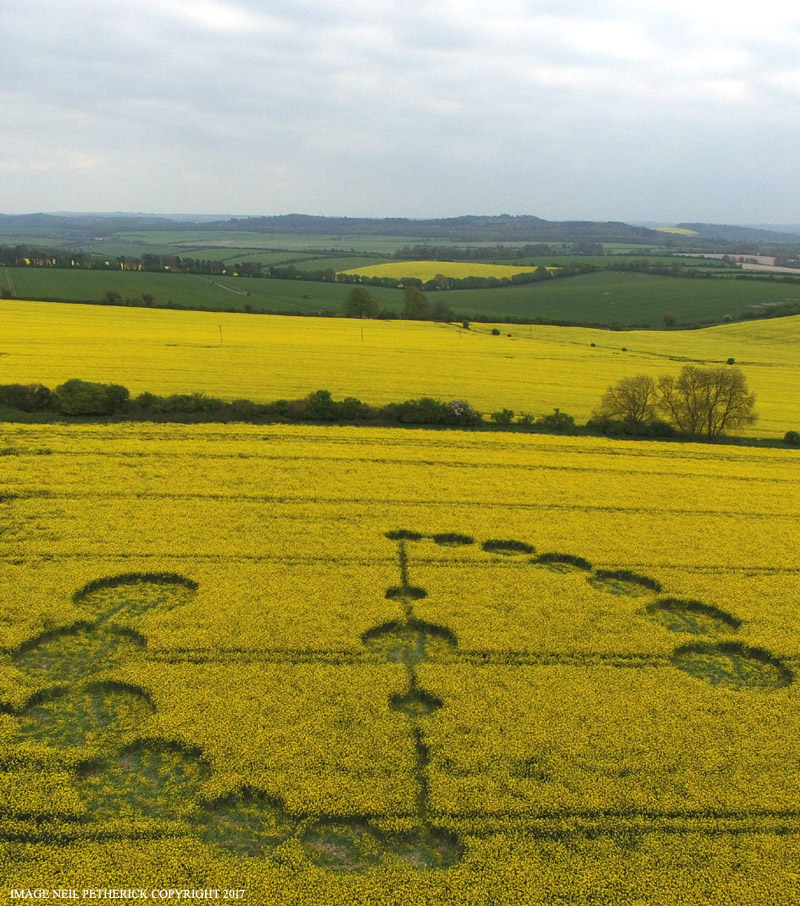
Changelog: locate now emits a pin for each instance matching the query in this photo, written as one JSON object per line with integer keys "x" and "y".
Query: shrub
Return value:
{"x": 320, "y": 406}
{"x": 525, "y": 418}
{"x": 606, "y": 425}
{"x": 191, "y": 402}
{"x": 556, "y": 421}
{"x": 424, "y": 411}
{"x": 27, "y": 397}
{"x": 657, "y": 427}
{"x": 731, "y": 361}
{"x": 277, "y": 409}
{"x": 147, "y": 401}
{"x": 503, "y": 417}
{"x": 461, "y": 413}
{"x": 245, "y": 409}
{"x": 792, "y": 438}
{"x": 351, "y": 409}
{"x": 495, "y": 332}
{"x": 77, "y": 397}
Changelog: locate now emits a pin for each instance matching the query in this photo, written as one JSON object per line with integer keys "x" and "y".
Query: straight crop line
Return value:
{"x": 503, "y": 658}
{"x": 105, "y": 556}
{"x": 371, "y": 501}
{"x": 425, "y": 463}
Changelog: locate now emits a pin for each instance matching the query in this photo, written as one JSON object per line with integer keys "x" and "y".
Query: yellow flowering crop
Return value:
{"x": 427, "y": 270}
{"x": 372, "y": 666}
{"x": 527, "y": 369}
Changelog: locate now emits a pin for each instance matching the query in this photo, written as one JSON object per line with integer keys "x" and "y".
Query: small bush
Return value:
{"x": 495, "y": 332}
{"x": 525, "y": 418}
{"x": 731, "y": 361}
{"x": 503, "y": 417}
{"x": 148, "y": 402}
{"x": 77, "y": 397}
{"x": 245, "y": 409}
{"x": 320, "y": 406}
{"x": 792, "y": 438}
{"x": 191, "y": 402}
{"x": 657, "y": 427}
{"x": 556, "y": 421}
{"x": 277, "y": 409}
{"x": 461, "y": 413}
{"x": 424, "y": 411}
{"x": 27, "y": 397}
{"x": 351, "y": 409}
{"x": 607, "y": 426}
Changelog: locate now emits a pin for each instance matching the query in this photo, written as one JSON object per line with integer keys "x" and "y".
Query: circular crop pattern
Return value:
{"x": 507, "y": 548}
{"x": 128, "y": 779}
{"x": 692, "y": 616}
{"x": 135, "y": 593}
{"x": 563, "y": 563}
{"x": 410, "y": 641}
{"x": 623, "y": 582}
{"x": 733, "y": 666}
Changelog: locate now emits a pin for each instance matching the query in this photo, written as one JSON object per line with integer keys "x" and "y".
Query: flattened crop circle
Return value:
{"x": 732, "y": 665}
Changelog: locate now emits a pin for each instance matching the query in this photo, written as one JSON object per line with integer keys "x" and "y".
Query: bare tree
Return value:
{"x": 705, "y": 402}
{"x": 632, "y": 399}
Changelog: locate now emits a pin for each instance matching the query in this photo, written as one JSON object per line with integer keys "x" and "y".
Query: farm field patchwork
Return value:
{"x": 532, "y": 369}
{"x": 357, "y": 665}
{"x": 605, "y": 297}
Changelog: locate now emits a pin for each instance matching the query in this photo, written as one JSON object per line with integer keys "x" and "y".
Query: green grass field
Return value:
{"x": 601, "y": 298}
{"x": 611, "y": 297}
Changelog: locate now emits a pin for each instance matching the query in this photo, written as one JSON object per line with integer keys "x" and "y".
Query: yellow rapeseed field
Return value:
{"x": 327, "y": 665}
{"x": 428, "y": 270}
{"x": 527, "y": 369}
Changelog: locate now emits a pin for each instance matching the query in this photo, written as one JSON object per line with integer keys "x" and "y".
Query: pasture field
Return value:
{"x": 191, "y": 291}
{"x": 527, "y": 369}
{"x": 164, "y": 241}
{"x": 605, "y": 297}
{"x": 366, "y": 666}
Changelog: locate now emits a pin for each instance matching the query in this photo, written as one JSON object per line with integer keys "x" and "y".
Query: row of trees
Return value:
{"x": 699, "y": 402}
{"x": 361, "y": 303}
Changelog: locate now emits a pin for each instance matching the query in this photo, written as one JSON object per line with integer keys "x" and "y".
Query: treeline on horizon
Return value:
{"x": 26, "y": 257}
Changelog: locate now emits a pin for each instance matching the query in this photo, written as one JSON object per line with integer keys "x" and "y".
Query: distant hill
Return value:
{"x": 84, "y": 227}
{"x": 729, "y": 233}
{"x": 472, "y": 228}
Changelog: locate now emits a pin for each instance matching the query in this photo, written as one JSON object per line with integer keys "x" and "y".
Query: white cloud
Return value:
{"x": 441, "y": 104}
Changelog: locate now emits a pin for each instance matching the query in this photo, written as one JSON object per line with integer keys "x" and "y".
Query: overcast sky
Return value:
{"x": 649, "y": 110}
